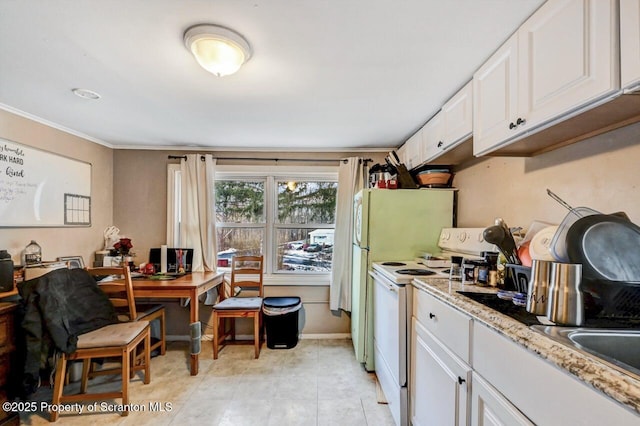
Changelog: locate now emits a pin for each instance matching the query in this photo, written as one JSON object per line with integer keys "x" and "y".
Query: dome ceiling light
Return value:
{"x": 86, "y": 94}
{"x": 219, "y": 50}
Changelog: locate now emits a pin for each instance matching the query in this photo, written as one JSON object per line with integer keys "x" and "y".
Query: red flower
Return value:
{"x": 123, "y": 246}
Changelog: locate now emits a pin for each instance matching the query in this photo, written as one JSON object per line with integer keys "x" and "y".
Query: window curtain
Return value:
{"x": 198, "y": 220}
{"x": 350, "y": 181}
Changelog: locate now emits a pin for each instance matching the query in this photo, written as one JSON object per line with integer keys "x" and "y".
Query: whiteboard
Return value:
{"x": 41, "y": 188}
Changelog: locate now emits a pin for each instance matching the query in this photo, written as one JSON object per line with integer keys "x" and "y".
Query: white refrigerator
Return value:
{"x": 390, "y": 225}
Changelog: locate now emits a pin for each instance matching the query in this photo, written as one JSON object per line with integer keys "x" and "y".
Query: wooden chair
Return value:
{"x": 121, "y": 292}
{"x": 119, "y": 340}
{"x": 246, "y": 274}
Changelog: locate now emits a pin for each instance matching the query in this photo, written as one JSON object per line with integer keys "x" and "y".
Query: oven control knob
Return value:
{"x": 445, "y": 236}
{"x": 462, "y": 236}
{"x": 480, "y": 238}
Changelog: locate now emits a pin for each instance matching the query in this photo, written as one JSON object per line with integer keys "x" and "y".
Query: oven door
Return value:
{"x": 390, "y": 327}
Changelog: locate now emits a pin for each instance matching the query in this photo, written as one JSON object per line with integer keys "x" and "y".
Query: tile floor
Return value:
{"x": 318, "y": 382}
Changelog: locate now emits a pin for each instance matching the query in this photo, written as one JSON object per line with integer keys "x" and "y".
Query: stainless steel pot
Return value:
{"x": 538, "y": 289}
{"x": 565, "y": 305}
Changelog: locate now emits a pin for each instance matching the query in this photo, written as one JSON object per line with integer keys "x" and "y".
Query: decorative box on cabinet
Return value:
{"x": 7, "y": 348}
{"x": 554, "y": 82}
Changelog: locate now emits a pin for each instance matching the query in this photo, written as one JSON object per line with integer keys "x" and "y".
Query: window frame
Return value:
{"x": 271, "y": 175}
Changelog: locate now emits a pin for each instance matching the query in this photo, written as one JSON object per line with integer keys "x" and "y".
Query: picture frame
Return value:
{"x": 74, "y": 261}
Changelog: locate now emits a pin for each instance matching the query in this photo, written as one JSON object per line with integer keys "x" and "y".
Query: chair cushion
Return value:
{"x": 239, "y": 303}
{"x": 112, "y": 335}
{"x": 142, "y": 311}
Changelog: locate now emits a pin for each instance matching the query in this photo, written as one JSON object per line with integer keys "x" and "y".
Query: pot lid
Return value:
{"x": 607, "y": 246}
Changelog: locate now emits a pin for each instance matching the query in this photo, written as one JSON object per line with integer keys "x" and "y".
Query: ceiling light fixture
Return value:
{"x": 86, "y": 94}
{"x": 217, "y": 49}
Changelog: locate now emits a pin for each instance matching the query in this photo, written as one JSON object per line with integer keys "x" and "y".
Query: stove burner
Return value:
{"x": 393, "y": 264}
{"x": 414, "y": 272}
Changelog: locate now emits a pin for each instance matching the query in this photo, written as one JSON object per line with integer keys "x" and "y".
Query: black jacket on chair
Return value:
{"x": 56, "y": 308}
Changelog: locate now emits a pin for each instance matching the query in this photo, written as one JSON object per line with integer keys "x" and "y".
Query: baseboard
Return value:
{"x": 325, "y": 336}
{"x": 310, "y": 336}
{"x": 179, "y": 338}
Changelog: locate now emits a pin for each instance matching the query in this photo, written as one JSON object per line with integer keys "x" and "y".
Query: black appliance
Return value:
{"x": 172, "y": 259}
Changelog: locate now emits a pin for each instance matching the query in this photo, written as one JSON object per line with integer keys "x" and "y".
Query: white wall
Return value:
{"x": 601, "y": 173}
{"x": 55, "y": 242}
{"x": 140, "y": 200}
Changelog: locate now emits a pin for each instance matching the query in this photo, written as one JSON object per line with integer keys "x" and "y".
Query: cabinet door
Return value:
{"x": 439, "y": 380}
{"x": 433, "y": 137}
{"x": 402, "y": 153}
{"x": 495, "y": 98}
{"x": 458, "y": 117}
{"x": 567, "y": 56}
{"x": 630, "y": 43}
{"x": 413, "y": 152}
{"x": 490, "y": 408}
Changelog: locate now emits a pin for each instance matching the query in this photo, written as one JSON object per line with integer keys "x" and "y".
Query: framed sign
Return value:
{"x": 40, "y": 188}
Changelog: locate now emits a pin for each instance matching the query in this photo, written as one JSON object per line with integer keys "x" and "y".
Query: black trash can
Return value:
{"x": 281, "y": 321}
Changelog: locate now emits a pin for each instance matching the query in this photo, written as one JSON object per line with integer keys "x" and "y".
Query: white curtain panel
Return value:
{"x": 198, "y": 222}
{"x": 350, "y": 181}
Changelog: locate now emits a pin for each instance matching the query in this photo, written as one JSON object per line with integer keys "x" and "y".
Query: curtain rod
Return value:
{"x": 184, "y": 157}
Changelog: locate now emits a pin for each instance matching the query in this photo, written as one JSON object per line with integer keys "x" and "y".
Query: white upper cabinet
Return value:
{"x": 458, "y": 117}
{"x": 567, "y": 57}
{"x": 562, "y": 59}
{"x": 413, "y": 150}
{"x": 433, "y": 136}
{"x": 630, "y": 44}
{"x": 495, "y": 89}
{"x": 402, "y": 153}
{"x": 451, "y": 126}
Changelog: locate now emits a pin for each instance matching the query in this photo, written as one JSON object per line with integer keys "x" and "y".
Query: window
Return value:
{"x": 287, "y": 214}
{"x": 304, "y": 225}
{"x": 240, "y": 218}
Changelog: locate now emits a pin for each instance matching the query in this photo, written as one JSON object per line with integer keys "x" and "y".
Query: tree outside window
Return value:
{"x": 298, "y": 235}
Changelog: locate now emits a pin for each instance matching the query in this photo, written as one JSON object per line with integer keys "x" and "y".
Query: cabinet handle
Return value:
{"x": 512, "y": 126}
{"x": 440, "y": 144}
{"x": 461, "y": 380}
{"x": 432, "y": 315}
{"x": 520, "y": 121}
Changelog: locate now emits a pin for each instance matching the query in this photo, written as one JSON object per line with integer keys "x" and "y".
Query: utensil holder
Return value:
{"x": 519, "y": 276}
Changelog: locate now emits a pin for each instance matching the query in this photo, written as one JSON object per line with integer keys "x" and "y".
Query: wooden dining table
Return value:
{"x": 189, "y": 285}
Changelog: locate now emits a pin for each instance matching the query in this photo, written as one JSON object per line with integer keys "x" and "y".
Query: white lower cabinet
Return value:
{"x": 463, "y": 372}
{"x": 542, "y": 392}
{"x": 440, "y": 375}
{"x": 439, "y": 389}
{"x": 490, "y": 408}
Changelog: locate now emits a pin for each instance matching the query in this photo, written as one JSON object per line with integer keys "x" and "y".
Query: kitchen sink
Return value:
{"x": 618, "y": 348}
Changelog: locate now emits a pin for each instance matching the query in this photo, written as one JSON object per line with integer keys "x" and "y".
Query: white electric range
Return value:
{"x": 392, "y": 300}
{"x": 468, "y": 243}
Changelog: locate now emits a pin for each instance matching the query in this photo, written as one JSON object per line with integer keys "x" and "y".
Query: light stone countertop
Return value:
{"x": 619, "y": 386}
